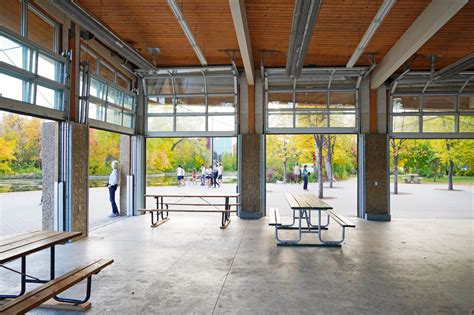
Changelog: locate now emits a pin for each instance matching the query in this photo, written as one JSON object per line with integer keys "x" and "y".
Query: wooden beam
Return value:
{"x": 435, "y": 15}
{"x": 237, "y": 8}
{"x": 251, "y": 115}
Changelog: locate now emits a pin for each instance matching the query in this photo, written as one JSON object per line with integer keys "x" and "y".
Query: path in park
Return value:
{"x": 21, "y": 211}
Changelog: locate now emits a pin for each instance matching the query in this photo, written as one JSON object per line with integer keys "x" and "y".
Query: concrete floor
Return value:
{"x": 189, "y": 265}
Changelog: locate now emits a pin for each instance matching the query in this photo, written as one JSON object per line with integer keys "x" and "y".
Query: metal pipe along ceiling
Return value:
{"x": 76, "y": 13}
{"x": 304, "y": 20}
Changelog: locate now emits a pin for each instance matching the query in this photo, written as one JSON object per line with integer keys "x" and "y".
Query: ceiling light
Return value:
{"x": 304, "y": 19}
{"x": 187, "y": 31}
{"x": 374, "y": 25}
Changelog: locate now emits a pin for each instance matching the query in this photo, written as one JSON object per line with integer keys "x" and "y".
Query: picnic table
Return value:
{"x": 412, "y": 178}
{"x": 302, "y": 206}
{"x": 218, "y": 203}
{"x": 22, "y": 245}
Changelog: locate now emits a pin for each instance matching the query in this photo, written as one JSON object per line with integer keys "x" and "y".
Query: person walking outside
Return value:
{"x": 297, "y": 172}
{"x": 305, "y": 174}
{"x": 203, "y": 174}
{"x": 112, "y": 185}
{"x": 220, "y": 170}
{"x": 193, "y": 177}
{"x": 180, "y": 175}
{"x": 215, "y": 174}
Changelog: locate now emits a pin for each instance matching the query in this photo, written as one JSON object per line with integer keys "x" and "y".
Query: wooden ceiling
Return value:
{"x": 339, "y": 28}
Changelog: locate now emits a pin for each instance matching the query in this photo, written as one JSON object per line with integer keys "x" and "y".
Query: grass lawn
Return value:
{"x": 461, "y": 180}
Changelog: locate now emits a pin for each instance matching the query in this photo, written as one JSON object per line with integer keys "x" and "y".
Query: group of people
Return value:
{"x": 210, "y": 176}
{"x": 302, "y": 173}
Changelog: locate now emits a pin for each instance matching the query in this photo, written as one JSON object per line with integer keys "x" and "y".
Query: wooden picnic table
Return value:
{"x": 302, "y": 204}
{"x": 162, "y": 206}
{"x": 22, "y": 245}
{"x": 412, "y": 178}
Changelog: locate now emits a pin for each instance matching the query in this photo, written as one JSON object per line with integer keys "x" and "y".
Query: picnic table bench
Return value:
{"x": 20, "y": 246}
{"x": 412, "y": 178}
{"x": 302, "y": 205}
{"x": 224, "y": 207}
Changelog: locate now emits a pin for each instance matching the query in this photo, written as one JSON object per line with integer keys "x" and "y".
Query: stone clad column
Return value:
{"x": 49, "y": 165}
{"x": 124, "y": 172}
{"x": 79, "y": 178}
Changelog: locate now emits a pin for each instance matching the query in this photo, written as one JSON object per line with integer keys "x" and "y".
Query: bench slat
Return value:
{"x": 17, "y": 252}
{"x": 45, "y": 292}
{"x": 274, "y": 212}
{"x": 26, "y": 240}
{"x": 186, "y": 210}
{"x": 340, "y": 219}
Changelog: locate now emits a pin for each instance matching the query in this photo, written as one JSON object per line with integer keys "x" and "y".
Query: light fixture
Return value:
{"x": 455, "y": 68}
{"x": 374, "y": 25}
{"x": 304, "y": 19}
{"x": 187, "y": 31}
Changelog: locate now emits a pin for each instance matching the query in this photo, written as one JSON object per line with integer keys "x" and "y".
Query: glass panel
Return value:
{"x": 12, "y": 87}
{"x": 191, "y": 123}
{"x": 106, "y": 72}
{"x": 280, "y": 120}
{"x": 10, "y": 15}
{"x": 342, "y": 120}
{"x": 15, "y": 54}
{"x": 438, "y": 123}
{"x": 96, "y": 111}
{"x": 439, "y": 103}
{"x": 466, "y": 103}
{"x": 220, "y": 85}
{"x": 466, "y": 123}
{"x": 160, "y": 105}
{"x": 311, "y": 120}
{"x": 280, "y": 100}
{"x": 128, "y": 101}
{"x": 160, "y": 123}
{"x": 123, "y": 82}
{"x": 114, "y": 96}
{"x": 114, "y": 116}
{"x": 50, "y": 68}
{"x": 221, "y": 104}
{"x": 221, "y": 123}
{"x": 405, "y": 124}
{"x": 404, "y": 104}
{"x": 159, "y": 86}
{"x": 189, "y": 85}
{"x": 128, "y": 120}
{"x": 311, "y": 100}
{"x": 97, "y": 89}
{"x": 40, "y": 31}
{"x": 190, "y": 105}
{"x": 86, "y": 57}
{"x": 342, "y": 100}
{"x": 48, "y": 97}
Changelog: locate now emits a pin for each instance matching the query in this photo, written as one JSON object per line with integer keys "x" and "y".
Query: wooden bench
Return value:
{"x": 51, "y": 289}
{"x": 225, "y": 214}
{"x": 343, "y": 222}
{"x": 274, "y": 217}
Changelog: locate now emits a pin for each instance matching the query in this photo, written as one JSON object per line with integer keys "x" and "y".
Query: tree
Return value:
{"x": 319, "y": 143}
{"x": 282, "y": 148}
{"x": 330, "y": 143}
{"x": 396, "y": 146}
{"x": 6, "y": 156}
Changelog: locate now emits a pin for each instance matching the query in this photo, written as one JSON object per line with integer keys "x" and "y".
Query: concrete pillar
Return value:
{"x": 79, "y": 178}
{"x": 124, "y": 172}
{"x": 49, "y": 165}
{"x": 377, "y": 187}
{"x": 250, "y": 172}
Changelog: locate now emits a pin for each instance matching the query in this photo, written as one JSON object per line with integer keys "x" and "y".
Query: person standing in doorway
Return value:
{"x": 305, "y": 174}
{"x": 180, "y": 175}
{"x": 112, "y": 185}
{"x": 297, "y": 172}
{"x": 220, "y": 171}
{"x": 215, "y": 174}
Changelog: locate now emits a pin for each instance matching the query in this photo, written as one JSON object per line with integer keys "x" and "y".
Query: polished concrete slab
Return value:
{"x": 189, "y": 265}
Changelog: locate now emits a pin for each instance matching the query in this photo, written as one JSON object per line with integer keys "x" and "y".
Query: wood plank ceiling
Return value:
{"x": 339, "y": 28}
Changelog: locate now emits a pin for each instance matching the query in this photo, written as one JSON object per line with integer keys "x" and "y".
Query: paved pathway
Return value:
{"x": 21, "y": 211}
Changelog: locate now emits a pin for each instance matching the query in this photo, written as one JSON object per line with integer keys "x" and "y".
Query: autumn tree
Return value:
{"x": 396, "y": 147}
{"x": 320, "y": 141}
